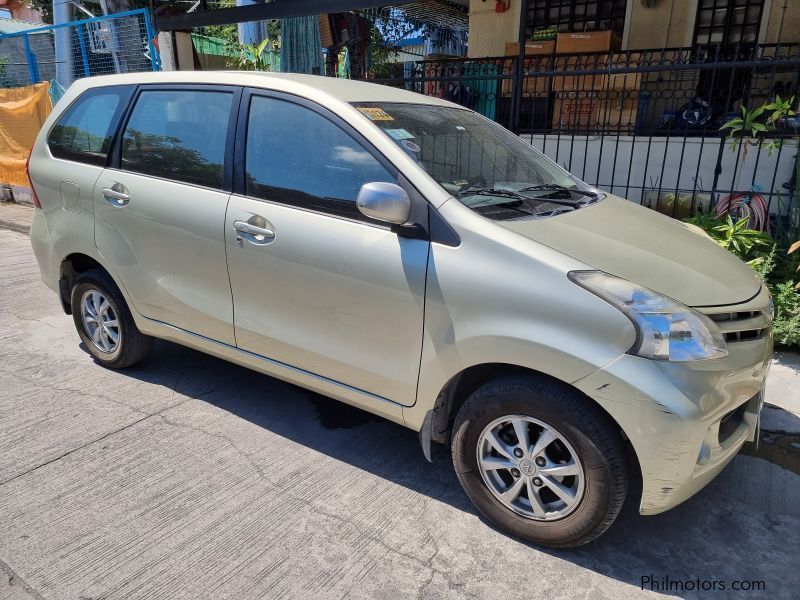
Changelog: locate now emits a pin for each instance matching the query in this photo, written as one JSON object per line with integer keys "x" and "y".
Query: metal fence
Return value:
{"x": 118, "y": 43}
{"x": 643, "y": 124}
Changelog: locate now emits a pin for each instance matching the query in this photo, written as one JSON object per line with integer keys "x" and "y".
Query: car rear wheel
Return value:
{"x": 540, "y": 461}
{"x": 105, "y": 323}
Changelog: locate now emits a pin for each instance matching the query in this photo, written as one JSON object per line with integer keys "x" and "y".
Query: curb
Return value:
{"x": 15, "y": 226}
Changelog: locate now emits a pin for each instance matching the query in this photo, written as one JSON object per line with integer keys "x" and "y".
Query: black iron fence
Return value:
{"x": 643, "y": 124}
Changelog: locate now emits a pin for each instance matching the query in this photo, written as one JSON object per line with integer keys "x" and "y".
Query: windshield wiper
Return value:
{"x": 560, "y": 188}
{"x": 494, "y": 192}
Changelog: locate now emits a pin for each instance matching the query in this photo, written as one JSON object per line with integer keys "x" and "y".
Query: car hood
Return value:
{"x": 647, "y": 248}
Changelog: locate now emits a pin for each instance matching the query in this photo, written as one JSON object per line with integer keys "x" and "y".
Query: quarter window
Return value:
{"x": 179, "y": 135}
{"x": 297, "y": 156}
{"x": 85, "y": 131}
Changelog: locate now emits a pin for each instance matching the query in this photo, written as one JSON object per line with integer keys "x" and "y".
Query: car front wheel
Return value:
{"x": 540, "y": 461}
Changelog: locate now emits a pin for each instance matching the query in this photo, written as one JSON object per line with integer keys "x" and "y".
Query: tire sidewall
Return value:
{"x": 83, "y": 285}
{"x": 597, "y": 500}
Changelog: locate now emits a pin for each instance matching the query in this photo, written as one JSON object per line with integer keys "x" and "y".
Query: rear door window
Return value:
{"x": 84, "y": 132}
{"x": 179, "y": 135}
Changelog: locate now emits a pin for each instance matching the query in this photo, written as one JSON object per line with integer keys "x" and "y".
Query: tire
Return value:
{"x": 580, "y": 427}
{"x": 131, "y": 345}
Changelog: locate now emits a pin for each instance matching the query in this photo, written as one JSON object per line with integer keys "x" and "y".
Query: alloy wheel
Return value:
{"x": 100, "y": 321}
{"x": 530, "y": 467}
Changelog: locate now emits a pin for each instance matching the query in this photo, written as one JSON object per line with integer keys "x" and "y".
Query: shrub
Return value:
{"x": 787, "y": 313}
{"x": 772, "y": 265}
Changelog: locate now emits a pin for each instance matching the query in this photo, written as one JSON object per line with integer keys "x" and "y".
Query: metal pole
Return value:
{"x": 154, "y": 62}
{"x": 84, "y": 56}
{"x": 33, "y": 68}
{"x": 519, "y": 72}
{"x": 62, "y": 14}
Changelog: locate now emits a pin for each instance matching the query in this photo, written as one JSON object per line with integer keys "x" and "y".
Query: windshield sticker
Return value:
{"x": 400, "y": 134}
{"x": 375, "y": 114}
{"x": 408, "y": 144}
{"x": 461, "y": 128}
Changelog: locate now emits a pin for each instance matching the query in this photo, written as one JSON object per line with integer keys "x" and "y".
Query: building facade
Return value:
{"x": 639, "y": 24}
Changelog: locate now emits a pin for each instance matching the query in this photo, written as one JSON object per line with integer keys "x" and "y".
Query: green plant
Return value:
{"x": 543, "y": 34}
{"x": 754, "y": 126}
{"x": 382, "y": 54}
{"x": 737, "y": 238}
{"x": 792, "y": 248}
{"x": 704, "y": 221}
{"x": 253, "y": 58}
{"x": 773, "y": 267}
{"x": 764, "y": 265}
{"x": 748, "y": 244}
{"x": 786, "y": 327}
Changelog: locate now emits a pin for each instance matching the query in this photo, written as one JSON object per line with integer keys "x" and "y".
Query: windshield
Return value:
{"x": 486, "y": 167}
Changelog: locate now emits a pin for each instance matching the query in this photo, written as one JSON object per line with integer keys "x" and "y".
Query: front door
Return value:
{"x": 316, "y": 285}
{"x": 160, "y": 212}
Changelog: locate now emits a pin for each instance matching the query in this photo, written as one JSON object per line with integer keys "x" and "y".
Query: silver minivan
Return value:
{"x": 412, "y": 258}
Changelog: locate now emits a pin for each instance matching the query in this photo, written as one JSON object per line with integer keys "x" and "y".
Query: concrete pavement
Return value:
{"x": 188, "y": 477}
{"x": 16, "y": 217}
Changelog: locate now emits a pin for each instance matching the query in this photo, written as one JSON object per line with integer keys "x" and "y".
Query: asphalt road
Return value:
{"x": 188, "y": 477}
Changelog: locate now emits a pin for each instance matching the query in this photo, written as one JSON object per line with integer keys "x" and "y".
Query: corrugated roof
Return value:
{"x": 15, "y": 26}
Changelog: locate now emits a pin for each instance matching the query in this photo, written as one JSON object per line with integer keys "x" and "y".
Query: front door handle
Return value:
{"x": 253, "y": 233}
{"x": 116, "y": 196}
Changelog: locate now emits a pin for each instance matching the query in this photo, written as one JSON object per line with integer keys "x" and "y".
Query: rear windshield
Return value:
{"x": 483, "y": 165}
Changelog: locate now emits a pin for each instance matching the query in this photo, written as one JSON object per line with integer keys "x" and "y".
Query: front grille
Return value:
{"x": 742, "y": 326}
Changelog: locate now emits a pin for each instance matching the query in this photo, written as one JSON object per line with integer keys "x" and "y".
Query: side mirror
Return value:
{"x": 386, "y": 202}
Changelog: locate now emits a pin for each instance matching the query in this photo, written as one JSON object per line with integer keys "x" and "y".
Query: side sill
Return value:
{"x": 323, "y": 385}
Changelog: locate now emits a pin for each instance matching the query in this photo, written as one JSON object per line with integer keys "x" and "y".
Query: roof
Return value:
{"x": 306, "y": 85}
{"x": 15, "y": 26}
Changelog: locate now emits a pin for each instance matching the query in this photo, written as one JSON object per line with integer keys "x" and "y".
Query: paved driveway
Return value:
{"x": 188, "y": 477}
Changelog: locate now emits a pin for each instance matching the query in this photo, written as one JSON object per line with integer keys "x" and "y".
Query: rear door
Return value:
{"x": 160, "y": 207}
{"x": 79, "y": 143}
{"x": 324, "y": 289}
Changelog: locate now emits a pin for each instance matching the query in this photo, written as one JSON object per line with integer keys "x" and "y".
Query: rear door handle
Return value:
{"x": 116, "y": 197}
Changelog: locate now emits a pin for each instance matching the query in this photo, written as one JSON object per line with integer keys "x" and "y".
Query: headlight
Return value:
{"x": 667, "y": 330}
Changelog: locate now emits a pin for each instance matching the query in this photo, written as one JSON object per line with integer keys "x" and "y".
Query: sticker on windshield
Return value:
{"x": 375, "y": 114}
{"x": 400, "y": 134}
{"x": 408, "y": 144}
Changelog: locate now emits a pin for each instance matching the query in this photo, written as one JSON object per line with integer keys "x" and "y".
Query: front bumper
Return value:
{"x": 686, "y": 421}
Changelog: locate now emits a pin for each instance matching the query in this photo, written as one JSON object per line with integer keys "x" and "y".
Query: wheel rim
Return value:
{"x": 100, "y": 322}
{"x": 530, "y": 468}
